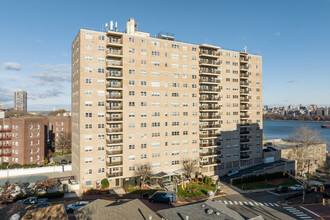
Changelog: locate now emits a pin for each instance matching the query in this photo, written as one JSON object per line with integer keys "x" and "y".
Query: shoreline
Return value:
{"x": 298, "y": 121}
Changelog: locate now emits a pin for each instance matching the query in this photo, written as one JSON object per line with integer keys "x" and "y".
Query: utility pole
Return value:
{"x": 308, "y": 172}
{"x": 304, "y": 191}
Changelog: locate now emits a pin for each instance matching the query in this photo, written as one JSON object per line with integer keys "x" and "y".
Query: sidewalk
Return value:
{"x": 230, "y": 189}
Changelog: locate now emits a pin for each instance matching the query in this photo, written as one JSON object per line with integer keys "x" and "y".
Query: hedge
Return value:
{"x": 261, "y": 177}
{"x": 54, "y": 195}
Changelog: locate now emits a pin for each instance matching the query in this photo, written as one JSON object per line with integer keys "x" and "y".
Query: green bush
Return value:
{"x": 260, "y": 177}
{"x": 105, "y": 183}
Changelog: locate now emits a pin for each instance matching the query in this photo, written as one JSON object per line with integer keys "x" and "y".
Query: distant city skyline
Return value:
{"x": 289, "y": 35}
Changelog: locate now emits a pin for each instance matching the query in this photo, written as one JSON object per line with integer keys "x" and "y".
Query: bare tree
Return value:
{"x": 305, "y": 139}
{"x": 63, "y": 143}
{"x": 326, "y": 170}
{"x": 143, "y": 170}
{"x": 189, "y": 166}
{"x": 8, "y": 192}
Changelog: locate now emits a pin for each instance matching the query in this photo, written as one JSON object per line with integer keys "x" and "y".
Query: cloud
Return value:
{"x": 12, "y": 66}
{"x": 6, "y": 95}
{"x": 45, "y": 94}
{"x": 277, "y": 33}
{"x": 292, "y": 81}
{"x": 51, "y": 74}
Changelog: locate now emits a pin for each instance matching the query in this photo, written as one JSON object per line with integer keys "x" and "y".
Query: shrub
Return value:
{"x": 58, "y": 194}
{"x": 105, "y": 183}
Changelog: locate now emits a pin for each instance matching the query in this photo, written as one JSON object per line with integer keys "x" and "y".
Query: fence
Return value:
{"x": 31, "y": 171}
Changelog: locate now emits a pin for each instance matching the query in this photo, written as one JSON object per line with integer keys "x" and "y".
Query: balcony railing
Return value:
{"x": 114, "y": 174}
{"x": 245, "y": 148}
{"x": 110, "y": 130}
{"x": 116, "y": 163}
{"x": 115, "y": 74}
{"x": 244, "y": 68}
{"x": 209, "y": 135}
{"x": 244, "y": 100}
{"x": 244, "y": 132}
{"x": 114, "y": 119}
{"x": 114, "y": 97}
{"x": 114, "y": 41}
{"x": 209, "y": 99}
{"x": 5, "y": 129}
{"x": 5, "y": 154}
{"x": 245, "y": 140}
{"x": 114, "y": 152}
{"x": 209, "y": 107}
{"x": 209, "y": 90}
{"x": 115, "y": 63}
{"x": 244, "y": 59}
{"x": 114, "y": 108}
{"x": 209, "y": 71}
{"x": 212, "y": 143}
{"x": 244, "y": 75}
{"x": 5, "y": 146}
{"x": 116, "y": 141}
{"x": 244, "y": 84}
{"x": 210, "y": 126}
{"x": 210, "y": 117}
{"x": 207, "y": 154}
{"x": 5, "y": 138}
{"x": 245, "y": 156}
{"x": 114, "y": 52}
{"x": 210, "y": 80}
{"x": 207, "y": 52}
{"x": 114, "y": 86}
{"x": 244, "y": 116}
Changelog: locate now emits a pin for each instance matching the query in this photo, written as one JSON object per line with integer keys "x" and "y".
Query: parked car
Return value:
{"x": 230, "y": 173}
{"x": 281, "y": 189}
{"x": 296, "y": 187}
{"x": 64, "y": 162}
{"x": 31, "y": 201}
{"x": 43, "y": 204}
{"x": 76, "y": 206}
{"x": 163, "y": 197}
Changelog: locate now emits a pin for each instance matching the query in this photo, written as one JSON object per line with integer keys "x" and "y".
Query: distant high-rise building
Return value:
{"x": 20, "y": 100}
{"x": 139, "y": 100}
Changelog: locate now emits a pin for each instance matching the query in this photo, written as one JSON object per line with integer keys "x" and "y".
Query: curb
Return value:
{"x": 201, "y": 199}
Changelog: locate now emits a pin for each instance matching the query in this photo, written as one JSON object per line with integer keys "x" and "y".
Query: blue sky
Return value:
{"x": 292, "y": 36}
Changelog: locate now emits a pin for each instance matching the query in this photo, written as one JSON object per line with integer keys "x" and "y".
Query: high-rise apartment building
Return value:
{"x": 140, "y": 100}
{"x": 20, "y": 100}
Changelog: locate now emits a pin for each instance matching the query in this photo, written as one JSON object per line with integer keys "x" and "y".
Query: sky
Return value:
{"x": 293, "y": 37}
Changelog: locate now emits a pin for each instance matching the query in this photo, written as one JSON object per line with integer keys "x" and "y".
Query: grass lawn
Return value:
{"x": 263, "y": 185}
{"x": 61, "y": 154}
{"x": 196, "y": 190}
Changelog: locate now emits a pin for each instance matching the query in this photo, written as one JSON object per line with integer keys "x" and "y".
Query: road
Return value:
{"x": 265, "y": 204}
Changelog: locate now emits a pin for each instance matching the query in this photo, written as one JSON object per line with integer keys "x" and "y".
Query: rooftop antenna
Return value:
{"x": 245, "y": 48}
{"x": 106, "y": 26}
{"x": 116, "y": 29}
{"x": 136, "y": 25}
{"x": 111, "y": 25}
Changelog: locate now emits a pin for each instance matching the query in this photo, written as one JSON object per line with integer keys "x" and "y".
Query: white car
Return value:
{"x": 76, "y": 206}
{"x": 232, "y": 173}
{"x": 296, "y": 187}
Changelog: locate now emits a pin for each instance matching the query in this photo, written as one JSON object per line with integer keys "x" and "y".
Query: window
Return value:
{"x": 101, "y": 37}
{"x": 100, "y": 48}
{"x": 143, "y": 52}
{"x": 155, "y": 63}
{"x": 88, "y": 58}
{"x": 88, "y": 115}
{"x": 131, "y": 157}
{"x": 143, "y": 156}
{"x": 143, "y": 83}
{"x": 88, "y": 103}
{"x": 131, "y": 39}
{"x": 175, "y": 162}
{"x": 131, "y": 50}
{"x": 88, "y": 46}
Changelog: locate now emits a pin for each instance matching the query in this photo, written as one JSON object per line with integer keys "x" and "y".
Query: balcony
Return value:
{"x": 211, "y": 90}
{"x": 114, "y": 53}
{"x": 244, "y": 76}
{"x": 209, "y": 144}
{"x": 116, "y": 141}
{"x": 210, "y": 163}
{"x": 114, "y": 174}
{"x": 114, "y": 64}
{"x": 114, "y": 97}
{"x": 209, "y": 63}
{"x": 115, "y": 75}
{"x": 244, "y": 60}
{"x": 115, "y": 119}
{"x": 244, "y": 132}
{"x": 244, "y": 84}
{"x": 209, "y": 81}
{"x": 208, "y": 154}
{"x": 244, "y": 68}
{"x": 244, "y": 108}
{"x": 244, "y": 157}
{"x": 245, "y": 140}
{"x": 6, "y": 146}
{"x": 244, "y": 148}
{"x": 114, "y": 87}
{"x": 5, "y": 129}
{"x": 211, "y": 99}
{"x": 114, "y": 152}
{"x": 5, "y": 154}
{"x": 214, "y": 117}
{"x": 244, "y": 100}
{"x": 210, "y": 126}
{"x": 210, "y": 135}
{"x": 211, "y": 72}
{"x": 5, "y": 138}
{"x": 245, "y": 116}
{"x": 244, "y": 92}
{"x": 114, "y": 41}
{"x": 113, "y": 130}
{"x": 205, "y": 108}
{"x": 114, "y": 108}
{"x": 116, "y": 163}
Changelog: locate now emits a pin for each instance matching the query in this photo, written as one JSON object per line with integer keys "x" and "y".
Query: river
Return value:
{"x": 282, "y": 129}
